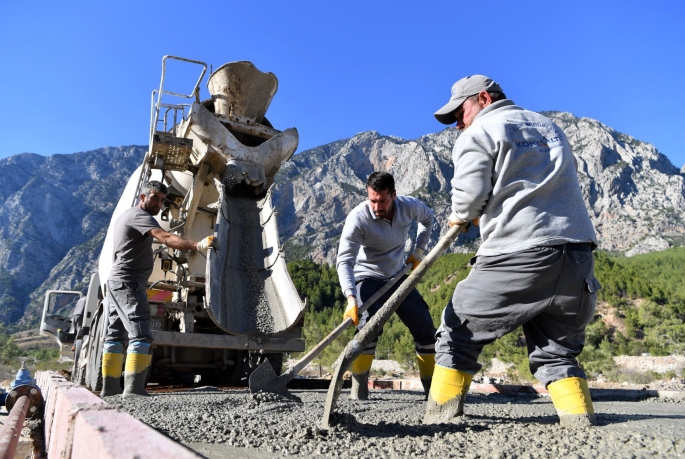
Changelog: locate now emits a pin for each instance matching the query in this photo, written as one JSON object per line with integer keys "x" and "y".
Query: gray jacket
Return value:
{"x": 374, "y": 247}
{"x": 515, "y": 169}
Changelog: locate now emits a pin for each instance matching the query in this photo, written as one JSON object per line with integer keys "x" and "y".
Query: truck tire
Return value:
{"x": 93, "y": 376}
{"x": 77, "y": 376}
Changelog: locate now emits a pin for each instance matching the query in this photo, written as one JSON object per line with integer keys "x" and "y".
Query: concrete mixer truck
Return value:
{"x": 215, "y": 317}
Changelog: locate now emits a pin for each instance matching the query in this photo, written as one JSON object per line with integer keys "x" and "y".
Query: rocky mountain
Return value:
{"x": 50, "y": 209}
{"x": 634, "y": 195}
{"x": 54, "y": 210}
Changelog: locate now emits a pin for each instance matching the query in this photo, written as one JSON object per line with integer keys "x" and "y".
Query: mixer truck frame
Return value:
{"x": 216, "y": 317}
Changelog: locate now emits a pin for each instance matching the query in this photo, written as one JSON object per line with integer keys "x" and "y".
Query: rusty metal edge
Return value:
{"x": 11, "y": 430}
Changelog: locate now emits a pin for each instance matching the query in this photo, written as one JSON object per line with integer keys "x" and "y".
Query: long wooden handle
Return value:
{"x": 371, "y": 329}
{"x": 316, "y": 350}
{"x": 375, "y": 324}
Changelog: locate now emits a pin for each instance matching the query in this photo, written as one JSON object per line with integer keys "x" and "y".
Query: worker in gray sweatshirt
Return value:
{"x": 514, "y": 169}
{"x": 371, "y": 251}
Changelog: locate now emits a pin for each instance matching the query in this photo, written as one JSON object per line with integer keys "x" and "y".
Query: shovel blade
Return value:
{"x": 265, "y": 379}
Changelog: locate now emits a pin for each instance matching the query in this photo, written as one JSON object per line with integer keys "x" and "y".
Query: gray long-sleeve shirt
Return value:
{"x": 515, "y": 169}
{"x": 371, "y": 246}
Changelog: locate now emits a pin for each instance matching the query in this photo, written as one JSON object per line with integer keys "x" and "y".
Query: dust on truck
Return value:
{"x": 215, "y": 317}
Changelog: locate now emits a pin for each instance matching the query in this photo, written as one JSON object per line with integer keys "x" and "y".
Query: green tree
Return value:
{"x": 646, "y": 291}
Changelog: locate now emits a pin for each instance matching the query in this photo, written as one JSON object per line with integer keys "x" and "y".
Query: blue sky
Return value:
{"x": 77, "y": 75}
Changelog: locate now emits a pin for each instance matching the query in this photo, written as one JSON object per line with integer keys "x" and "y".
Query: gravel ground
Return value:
{"x": 220, "y": 423}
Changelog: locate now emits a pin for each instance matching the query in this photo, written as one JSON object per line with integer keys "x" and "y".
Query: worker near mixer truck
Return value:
{"x": 127, "y": 303}
{"x": 371, "y": 251}
{"x": 515, "y": 170}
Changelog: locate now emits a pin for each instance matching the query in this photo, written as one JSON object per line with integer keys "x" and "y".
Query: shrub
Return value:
{"x": 597, "y": 360}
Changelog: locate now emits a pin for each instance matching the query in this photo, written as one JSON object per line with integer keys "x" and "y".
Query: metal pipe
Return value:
{"x": 9, "y": 435}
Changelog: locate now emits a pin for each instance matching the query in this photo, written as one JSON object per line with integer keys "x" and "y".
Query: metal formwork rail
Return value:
{"x": 9, "y": 435}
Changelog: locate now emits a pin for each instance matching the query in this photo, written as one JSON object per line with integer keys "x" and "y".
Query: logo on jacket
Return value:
{"x": 534, "y": 135}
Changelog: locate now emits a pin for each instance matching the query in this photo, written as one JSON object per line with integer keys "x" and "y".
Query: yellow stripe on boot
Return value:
{"x": 426, "y": 365}
{"x": 571, "y": 396}
{"x": 448, "y": 384}
{"x": 362, "y": 364}
{"x": 137, "y": 363}
{"x": 112, "y": 364}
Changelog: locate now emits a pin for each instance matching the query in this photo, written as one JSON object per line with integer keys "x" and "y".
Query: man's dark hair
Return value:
{"x": 379, "y": 181}
{"x": 494, "y": 95}
{"x": 154, "y": 185}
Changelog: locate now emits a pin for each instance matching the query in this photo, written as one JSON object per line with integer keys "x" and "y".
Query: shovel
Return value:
{"x": 265, "y": 379}
{"x": 362, "y": 339}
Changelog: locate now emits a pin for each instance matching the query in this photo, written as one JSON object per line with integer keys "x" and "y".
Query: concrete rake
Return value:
{"x": 362, "y": 339}
{"x": 265, "y": 379}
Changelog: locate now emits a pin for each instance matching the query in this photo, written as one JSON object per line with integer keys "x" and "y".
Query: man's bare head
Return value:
{"x": 381, "y": 190}
{"x": 152, "y": 196}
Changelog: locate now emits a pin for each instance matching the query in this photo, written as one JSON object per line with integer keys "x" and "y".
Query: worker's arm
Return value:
{"x": 424, "y": 216}
{"x": 177, "y": 242}
{"x": 472, "y": 181}
{"x": 348, "y": 249}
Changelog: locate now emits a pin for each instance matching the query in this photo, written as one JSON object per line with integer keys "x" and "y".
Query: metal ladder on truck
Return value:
{"x": 167, "y": 150}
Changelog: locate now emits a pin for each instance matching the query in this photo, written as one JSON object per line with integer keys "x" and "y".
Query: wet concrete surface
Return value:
{"x": 218, "y": 423}
{"x": 242, "y": 282}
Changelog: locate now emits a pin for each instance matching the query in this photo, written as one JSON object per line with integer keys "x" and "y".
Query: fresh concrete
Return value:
{"x": 389, "y": 425}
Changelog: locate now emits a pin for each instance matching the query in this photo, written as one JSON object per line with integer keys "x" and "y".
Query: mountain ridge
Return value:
{"x": 54, "y": 210}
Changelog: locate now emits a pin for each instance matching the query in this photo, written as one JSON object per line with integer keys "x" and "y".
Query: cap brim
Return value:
{"x": 446, "y": 114}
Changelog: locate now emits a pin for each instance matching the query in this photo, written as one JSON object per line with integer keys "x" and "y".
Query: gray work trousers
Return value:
{"x": 128, "y": 312}
{"x": 413, "y": 312}
{"x": 551, "y": 291}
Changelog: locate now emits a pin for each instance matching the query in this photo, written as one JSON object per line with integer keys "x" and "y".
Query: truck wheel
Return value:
{"x": 95, "y": 344}
{"x": 77, "y": 375}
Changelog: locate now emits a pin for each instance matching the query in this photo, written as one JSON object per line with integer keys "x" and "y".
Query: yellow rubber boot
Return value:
{"x": 135, "y": 373}
{"x": 361, "y": 366}
{"x": 571, "y": 398}
{"x": 426, "y": 368}
{"x": 447, "y": 394}
{"x": 112, "y": 363}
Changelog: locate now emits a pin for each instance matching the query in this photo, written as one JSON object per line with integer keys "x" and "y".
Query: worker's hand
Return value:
{"x": 415, "y": 258}
{"x": 206, "y": 243}
{"x": 352, "y": 310}
{"x": 454, "y": 220}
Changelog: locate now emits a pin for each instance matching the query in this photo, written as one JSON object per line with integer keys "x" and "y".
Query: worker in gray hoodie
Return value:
{"x": 514, "y": 169}
{"x": 371, "y": 251}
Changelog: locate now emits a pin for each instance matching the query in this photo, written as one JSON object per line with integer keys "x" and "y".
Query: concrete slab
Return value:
{"x": 115, "y": 435}
{"x": 79, "y": 424}
{"x": 53, "y": 388}
{"x": 70, "y": 400}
